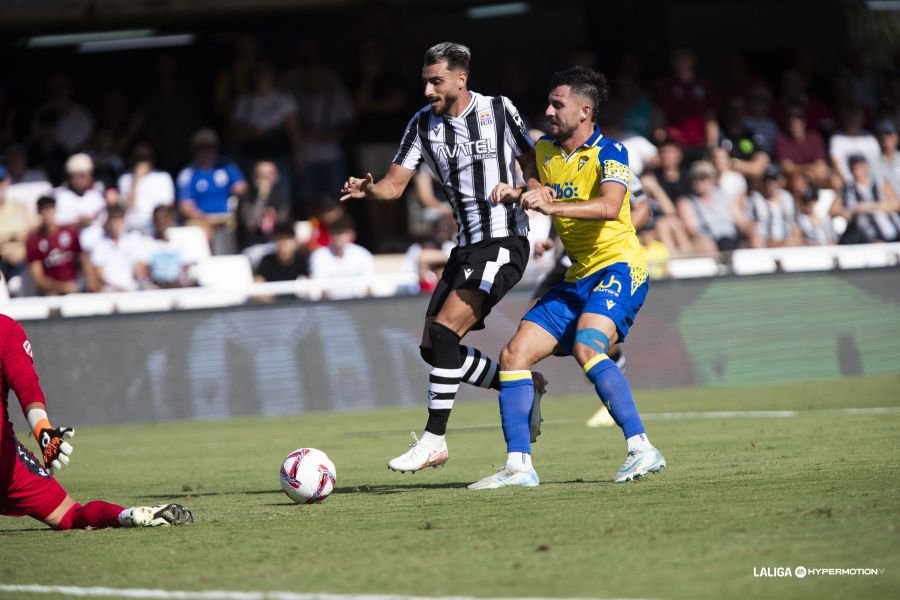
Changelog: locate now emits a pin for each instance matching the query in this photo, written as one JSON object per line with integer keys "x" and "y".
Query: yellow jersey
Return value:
{"x": 577, "y": 177}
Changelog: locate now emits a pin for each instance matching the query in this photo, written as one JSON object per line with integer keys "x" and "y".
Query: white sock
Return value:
{"x": 431, "y": 440}
{"x": 639, "y": 442}
{"x": 518, "y": 461}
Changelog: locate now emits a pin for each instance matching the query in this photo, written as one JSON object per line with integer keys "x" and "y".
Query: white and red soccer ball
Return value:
{"x": 307, "y": 475}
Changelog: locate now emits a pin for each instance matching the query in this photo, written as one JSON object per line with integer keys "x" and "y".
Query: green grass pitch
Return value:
{"x": 820, "y": 489}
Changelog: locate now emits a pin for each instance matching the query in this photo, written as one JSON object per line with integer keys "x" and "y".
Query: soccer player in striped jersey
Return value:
{"x": 585, "y": 179}
{"x": 471, "y": 143}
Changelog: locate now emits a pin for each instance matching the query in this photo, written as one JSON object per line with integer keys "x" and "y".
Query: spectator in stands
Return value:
{"x": 288, "y": 262}
{"x": 815, "y": 229}
{"x": 118, "y": 256}
{"x": 871, "y": 214}
{"x": 794, "y": 93}
{"x": 739, "y": 81}
{"x": 44, "y": 150}
{"x": 108, "y": 164}
{"x": 746, "y": 149}
{"x": 206, "y": 187}
{"x": 15, "y": 158}
{"x": 428, "y": 255}
{"x": 687, "y": 103}
{"x": 326, "y": 111}
{"x": 732, "y": 183}
{"x": 54, "y": 255}
{"x": 711, "y": 220}
{"x": 634, "y": 104}
{"x": 172, "y": 109}
{"x": 342, "y": 259}
{"x": 80, "y": 200}
{"x": 326, "y": 211}
{"x": 144, "y": 188}
{"x": 75, "y": 123}
{"x": 262, "y": 206}
{"x": 889, "y": 162}
{"x": 853, "y": 140}
{"x": 236, "y": 78}
{"x": 264, "y": 125}
{"x": 672, "y": 171}
{"x": 120, "y": 121}
{"x": 15, "y": 223}
{"x": 772, "y": 211}
{"x": 757, "y": 120}
{"x": 167, "y": 265}
{"x": 800, "y": 149}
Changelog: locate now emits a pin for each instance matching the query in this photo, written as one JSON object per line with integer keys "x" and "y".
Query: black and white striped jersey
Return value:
{"x": 470, "y": 154}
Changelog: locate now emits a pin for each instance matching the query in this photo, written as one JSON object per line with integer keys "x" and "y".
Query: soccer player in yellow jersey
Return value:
{"x": 584, "y": 187}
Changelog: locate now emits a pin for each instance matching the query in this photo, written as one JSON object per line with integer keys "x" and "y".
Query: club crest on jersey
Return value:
{"x": 26, "y": 346}
{"x": 582, "y": 161}
{"x": 546, "y": 160}
{"x": 485, "y": 118}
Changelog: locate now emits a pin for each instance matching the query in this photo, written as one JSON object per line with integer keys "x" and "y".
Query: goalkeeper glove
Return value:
{"x": 55, "y": 448}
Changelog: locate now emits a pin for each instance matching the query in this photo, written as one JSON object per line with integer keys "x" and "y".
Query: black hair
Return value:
{"x": 456, "y": 55}
{"x": 584, "y": 82}
{"x": 283, "y": 229}
{"x": 46, "y": 202}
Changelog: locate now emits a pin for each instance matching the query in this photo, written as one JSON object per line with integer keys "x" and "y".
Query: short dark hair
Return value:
{"x": 456, "y": 55}
{"x": 115, "y": 212}
{"x": 283, "y": 229}
{"x": 584, "y": 82}
{"x": 345, "y": 223}
{"x": 45, "y": 202}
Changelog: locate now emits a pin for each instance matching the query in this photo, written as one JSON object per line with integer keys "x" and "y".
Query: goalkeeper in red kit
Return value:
{"x": 27, "y": 486}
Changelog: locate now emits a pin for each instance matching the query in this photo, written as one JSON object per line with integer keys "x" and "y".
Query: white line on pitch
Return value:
{"x": 105, "y": 592}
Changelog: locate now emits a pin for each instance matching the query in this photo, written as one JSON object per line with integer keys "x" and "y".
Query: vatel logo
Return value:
{"x": 610, "y": 286}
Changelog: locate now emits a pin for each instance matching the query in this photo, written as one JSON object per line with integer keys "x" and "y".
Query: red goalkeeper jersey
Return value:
{"x": 16, "y": 372}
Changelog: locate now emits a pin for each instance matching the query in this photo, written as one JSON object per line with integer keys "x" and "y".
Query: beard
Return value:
{"x": 446, "y": 102}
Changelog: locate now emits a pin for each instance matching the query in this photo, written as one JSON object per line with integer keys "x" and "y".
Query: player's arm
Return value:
{"x": 604, "y": 207}
{"x": 389, "y": 187}
{"x": 18, "y": 369}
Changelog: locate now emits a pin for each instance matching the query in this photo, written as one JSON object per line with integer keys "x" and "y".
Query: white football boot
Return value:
{"x": 507, "y": 477}
{"x": 639, "y": 463}
{"x": 420, "y": 456}
{"x": 157, "y": 516}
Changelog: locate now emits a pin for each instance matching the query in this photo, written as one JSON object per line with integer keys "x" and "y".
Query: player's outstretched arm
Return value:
{"x": 52, "y": 440}
{"x": 389, "y": 187}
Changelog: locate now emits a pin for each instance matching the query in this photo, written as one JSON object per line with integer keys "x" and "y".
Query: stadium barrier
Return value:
{"x": 295, "y": 356}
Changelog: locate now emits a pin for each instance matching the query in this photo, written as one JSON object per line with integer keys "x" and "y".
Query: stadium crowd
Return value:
{"x": 88, "y": 191}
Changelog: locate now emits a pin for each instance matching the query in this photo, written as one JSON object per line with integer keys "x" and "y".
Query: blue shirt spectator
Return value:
{"x": 205, "y": 185}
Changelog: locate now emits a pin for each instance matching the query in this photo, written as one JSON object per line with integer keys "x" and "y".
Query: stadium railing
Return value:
{"x": 229, "y": 282}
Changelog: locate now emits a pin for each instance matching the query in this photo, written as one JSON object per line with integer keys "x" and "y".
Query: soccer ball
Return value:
{"x": 307, "y": 475}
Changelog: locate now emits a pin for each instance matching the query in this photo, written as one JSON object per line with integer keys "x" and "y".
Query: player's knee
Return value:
{"x": 427, "y": 355}
{"x": 442, "y": 336}
{"x": 589, "y": 343}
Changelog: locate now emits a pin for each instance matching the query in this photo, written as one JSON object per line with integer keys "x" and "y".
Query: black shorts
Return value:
{"x": 493, "y": 266}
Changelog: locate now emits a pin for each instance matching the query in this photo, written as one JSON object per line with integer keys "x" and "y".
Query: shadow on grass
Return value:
{"x": 399, "y": 488}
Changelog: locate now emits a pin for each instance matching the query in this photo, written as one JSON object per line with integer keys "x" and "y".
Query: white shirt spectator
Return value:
{"x": 734, "y": 185}
{"x": 357, "y": 262}
{"x": 154, "y": 189}
{"x": 265, "y": 112}
{"x": 844, "y": 146}
{"x": 71, "y": 207}
{"x": 117, "y": 259}
{"x": 640, "y": 152}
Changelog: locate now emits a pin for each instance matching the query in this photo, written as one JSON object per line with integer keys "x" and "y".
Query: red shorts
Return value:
{"x": 26, "y": 488}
